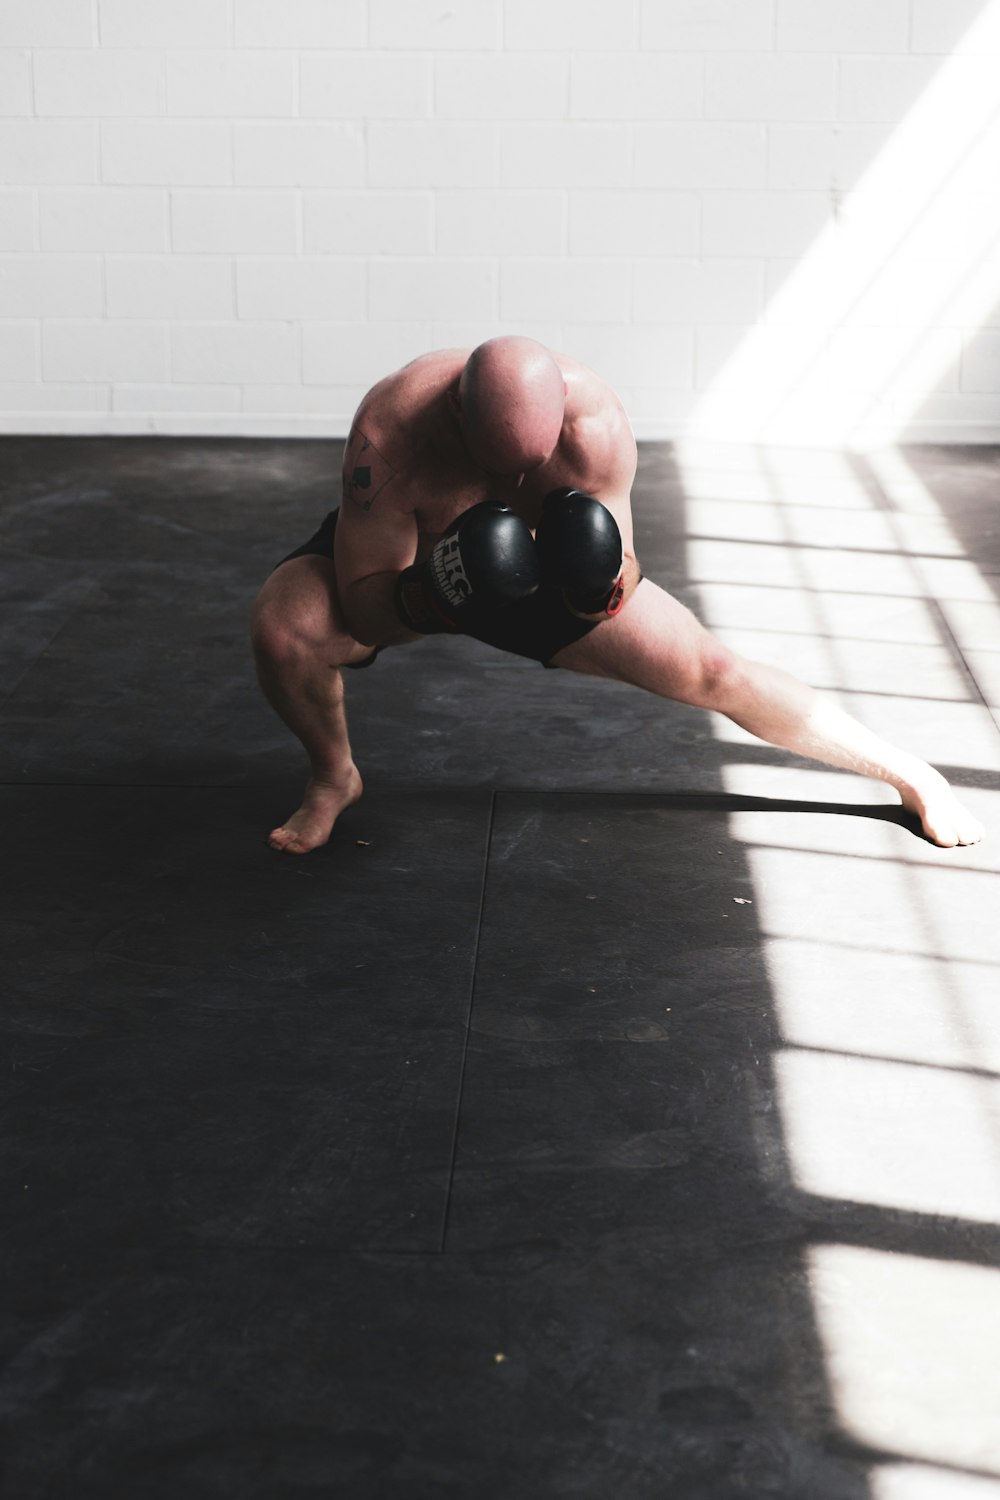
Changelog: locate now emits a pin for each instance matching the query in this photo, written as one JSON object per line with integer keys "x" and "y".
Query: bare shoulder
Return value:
{"x": 389, "y": 430}
{"x": 597, "y": 437}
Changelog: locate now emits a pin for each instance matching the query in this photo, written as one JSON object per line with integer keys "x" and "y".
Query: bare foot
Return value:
{"x": 322, "y": 805}
{"x": 945, "y": 821}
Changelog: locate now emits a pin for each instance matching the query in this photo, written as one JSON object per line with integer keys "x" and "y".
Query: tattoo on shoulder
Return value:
{"x": 366, "y": 472}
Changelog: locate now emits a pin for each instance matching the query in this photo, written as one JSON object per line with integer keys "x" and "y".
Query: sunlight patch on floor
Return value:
{"x": 911, "y": 1352}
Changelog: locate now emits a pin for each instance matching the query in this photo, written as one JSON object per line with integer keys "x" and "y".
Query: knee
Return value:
{"x": 285, "y": 632}
{"x": 273, "y": 635}
{"x": 717, "y": 676}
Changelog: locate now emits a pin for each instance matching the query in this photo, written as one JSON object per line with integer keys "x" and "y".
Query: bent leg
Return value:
{"x": 300, "y": 644}
{"x": 657, "y": 644}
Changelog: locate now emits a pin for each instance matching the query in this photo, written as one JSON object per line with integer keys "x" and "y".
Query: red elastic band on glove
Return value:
{"x": 617, "y": 599}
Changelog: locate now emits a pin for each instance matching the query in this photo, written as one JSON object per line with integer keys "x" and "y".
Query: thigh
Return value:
{"x": 299, "y": 602}
{"x": 655, "y": 643}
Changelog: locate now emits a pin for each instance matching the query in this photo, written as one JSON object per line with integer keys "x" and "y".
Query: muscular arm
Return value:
{"x": 376, "y": 539}
{"x": 369, "y": 607}
{"x": 599, "y": 456}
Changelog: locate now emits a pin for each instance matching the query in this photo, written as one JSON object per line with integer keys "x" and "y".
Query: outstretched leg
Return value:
{"x": 300, "y": 644}
{"x": 658, "y": 645}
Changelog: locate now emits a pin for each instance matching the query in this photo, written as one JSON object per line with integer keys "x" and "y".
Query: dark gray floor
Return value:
{"x": 605, "y": 1112}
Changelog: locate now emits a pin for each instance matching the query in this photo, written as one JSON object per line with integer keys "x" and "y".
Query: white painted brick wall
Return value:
{"x": 17, "y": 220}
{"x": 700, "y": 157}
{"x": 431, "y": 155}
{"x": 531, "y": 290}
{"x": 18, "y": 350}
{"x": 354, "y": 353}
{"x": 231, "y": 84}
{"x": 366, "y": 86}
{"x": 429, "y": 26}
{"x": 168, "y": 153}
{"x": 771, "y": 225}
{"x": 50, "y": 286}
{"x": 686, "y": 292}
{"x": 84, "y": 220}
{"x": 980, "y": 373}
{"x": 235, "y": 215}
{"x": 174, "y": 398}
{"x": 370, "y": 223}
{"x": 937, "y": 27}
{"x": 236, "y": 353}
{"x": 259, "y": 223}
{"x": 47, "y": 23}
{"x": 636, "y": 86}
{"x": 407, "y": 289}
{"x": 693, "y": 27}
{"x": 569, "y": 26}
{"x": 565, "y": 155}
{"x": 300, "y": 24}
{"x": 15, "y": 83}
{"x": 296, "y": 291}
{"x": 173, "y": 288}
{"x": 95, "y": 351}
{"x": 299, "y": 154}
{"x": 882, "y": 88}
{"x": 500, "y": 223}
{"x": 830, "y": 157}
{"x": 802, "y": 87}
{"x": 846, "y": 26}
{"x": 652, "y": 360}
{"x": 630, "y": 222}
{"x": 39, "y": 153}
{"x": 501, "y": 86}
{"x": 74, "y": 403}
{"x": 182, "y": 23}
{"x": 99, "y": 83}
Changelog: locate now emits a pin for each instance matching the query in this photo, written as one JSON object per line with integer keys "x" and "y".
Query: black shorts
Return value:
{"x": 537, "y": 627}
{"x": 320, "y": 544}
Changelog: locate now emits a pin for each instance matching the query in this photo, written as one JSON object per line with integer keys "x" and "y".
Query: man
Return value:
{"x": 495, "y": 433}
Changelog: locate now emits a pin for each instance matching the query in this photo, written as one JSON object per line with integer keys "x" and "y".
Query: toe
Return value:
{"x": 291, "y": 841}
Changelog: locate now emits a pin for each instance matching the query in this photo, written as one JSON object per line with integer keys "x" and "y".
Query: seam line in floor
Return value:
{"x": 468, "y": 1024}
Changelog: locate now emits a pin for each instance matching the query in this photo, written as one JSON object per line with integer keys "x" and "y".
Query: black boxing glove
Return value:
{"x": 580, "y": 552}
{"x": 483, "y": 562}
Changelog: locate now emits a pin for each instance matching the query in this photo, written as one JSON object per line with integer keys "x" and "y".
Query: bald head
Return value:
{"x": 513, "y": 398}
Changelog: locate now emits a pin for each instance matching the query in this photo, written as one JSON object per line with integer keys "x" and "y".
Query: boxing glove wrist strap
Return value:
{"x": 608, "y": 603}
{"x": 416, "y": 606}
